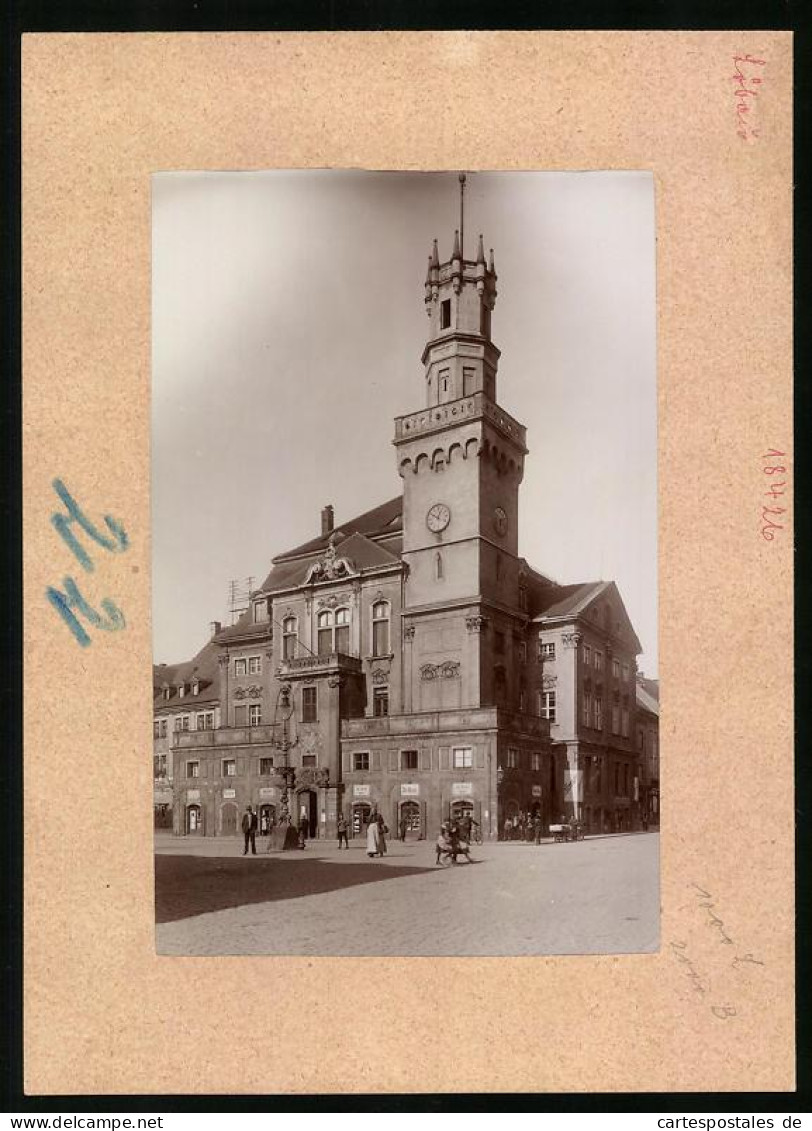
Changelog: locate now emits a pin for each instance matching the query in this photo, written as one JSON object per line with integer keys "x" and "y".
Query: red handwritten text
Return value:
{"x": 776, "y": 489}
{"x": 747, "y": 81}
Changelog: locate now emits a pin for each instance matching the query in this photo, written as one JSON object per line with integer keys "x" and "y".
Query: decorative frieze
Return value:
{"x": 408, "y": 633}
{"x": 476, "y": 623}
{"x": 549, "y": 681}
{"x": 570, "y": 639}
{"x": 333, "y": 600}
{"x": 253, "y": 691}
{"x": 379, "y": 675}
{"x": 449, "y": 669}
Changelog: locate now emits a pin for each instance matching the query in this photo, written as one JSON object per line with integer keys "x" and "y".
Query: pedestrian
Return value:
{"x": 508, "y": 830}
{"x": 537, "y": 827}
{"x": 444, "y": 845}
{"x": 341, "y": 826}
{"x": 373, "y": 839}
{"x": 383, "y": 830}
{"x": 404, "y": 824}
{"x": 249, "y": 828}
{"x": 303, "y": 829}
{"x": 465, "y": 828}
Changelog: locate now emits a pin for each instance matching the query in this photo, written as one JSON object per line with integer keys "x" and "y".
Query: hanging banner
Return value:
{"x": 573, "y": 785}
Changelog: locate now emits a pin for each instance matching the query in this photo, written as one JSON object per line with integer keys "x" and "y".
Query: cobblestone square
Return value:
{"x": 598, "y": 896}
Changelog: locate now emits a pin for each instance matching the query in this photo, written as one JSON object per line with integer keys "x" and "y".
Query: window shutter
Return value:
{"x": 374, "y": 760}
{"x": 393, "y": 759}
{"x": 346, "y": 762}
{"x": 479, "y": 755}
{"x": 425, "y": 758}
{"x": 445, "y": 752}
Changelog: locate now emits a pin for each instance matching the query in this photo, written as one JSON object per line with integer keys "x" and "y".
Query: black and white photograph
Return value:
{"x": 404, "y": 553}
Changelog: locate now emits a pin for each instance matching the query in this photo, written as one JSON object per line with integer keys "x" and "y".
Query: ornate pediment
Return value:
{"x": 330, "y": 566}
{"x": 333, "y": 601}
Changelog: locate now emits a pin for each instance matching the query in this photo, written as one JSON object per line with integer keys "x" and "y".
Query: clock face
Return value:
{"x": 438, "y": 518}
{"x": 500, "y": 521}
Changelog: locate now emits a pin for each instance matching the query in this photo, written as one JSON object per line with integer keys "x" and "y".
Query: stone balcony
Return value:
{"x": 308, "y": 667}
{"x": 448, "y": 721}
{"x": 475, "y": 407}
{"x": 225, "y": 736}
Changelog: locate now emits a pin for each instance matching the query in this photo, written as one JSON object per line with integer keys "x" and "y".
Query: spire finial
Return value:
{"x": 435, "y": 255}
{"x": 490, "y": 264}
{"x": 456, "y": 254}
{"x": 462, "y": 214}
{"x": 480, "y": 251}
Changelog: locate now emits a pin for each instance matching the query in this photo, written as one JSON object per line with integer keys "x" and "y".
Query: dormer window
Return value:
{"x": 167, "y": 692}
{"x": 181, "y": 690}
{"x": 196, "y": 687}
{"x": 261, "y": 611}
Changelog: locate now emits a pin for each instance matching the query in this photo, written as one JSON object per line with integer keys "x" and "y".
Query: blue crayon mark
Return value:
{"x": 65, "y": 604}
{"x": 63, "y": 522}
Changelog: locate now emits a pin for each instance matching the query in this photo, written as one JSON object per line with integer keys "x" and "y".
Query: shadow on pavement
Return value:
{"x": 193, "y": 885}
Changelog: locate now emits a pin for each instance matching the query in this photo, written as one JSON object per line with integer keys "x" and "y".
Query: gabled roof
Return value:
{"x": 361, "y": 553}
{"x": 571, "y": 601}
{"x": 646, "y": 701}
{"x": 568, "y": 600}
{"x": 246, "y": 626}
{"x": 387, "y": 518}
{"x": 202, "y": 667}
{"x": 650, "y": 686}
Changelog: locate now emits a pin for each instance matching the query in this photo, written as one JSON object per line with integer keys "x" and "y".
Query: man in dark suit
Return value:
{"x": 249, "y": 828}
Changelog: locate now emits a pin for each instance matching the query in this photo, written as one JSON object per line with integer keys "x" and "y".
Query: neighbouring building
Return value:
{"x": 409, "y": 661}
{"x": 648, "y": 736}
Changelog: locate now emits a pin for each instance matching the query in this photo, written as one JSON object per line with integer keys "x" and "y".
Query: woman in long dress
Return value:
{"x": 373, "y": 838}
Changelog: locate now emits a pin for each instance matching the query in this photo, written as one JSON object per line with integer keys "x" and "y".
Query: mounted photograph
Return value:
{"x": 404, "y": 522}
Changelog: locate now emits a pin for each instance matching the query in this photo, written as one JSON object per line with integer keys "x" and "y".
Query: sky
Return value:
{"x": 288, "y": 325}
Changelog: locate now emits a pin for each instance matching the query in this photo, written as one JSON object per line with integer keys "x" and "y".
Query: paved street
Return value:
{"x": 600, "y": 895}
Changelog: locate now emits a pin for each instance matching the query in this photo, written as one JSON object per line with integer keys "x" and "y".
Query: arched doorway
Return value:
{"x": 361, "y": 812}
{"x": 410, "y": 813}
{"x": 194, "y": 820}
{"x": 267, "y": 819}
{"x": 307, "y": 806}
{"x": 460, "y": 809}
{"x": 510, "y": 820}
{"x": 228, "y": 819}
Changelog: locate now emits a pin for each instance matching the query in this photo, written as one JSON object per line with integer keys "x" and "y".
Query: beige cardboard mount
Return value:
{"x": 101, "y": 113}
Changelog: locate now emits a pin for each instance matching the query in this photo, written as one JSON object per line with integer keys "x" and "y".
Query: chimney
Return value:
{"x": 326, "y": 520}
{"x": 215, "y": 626}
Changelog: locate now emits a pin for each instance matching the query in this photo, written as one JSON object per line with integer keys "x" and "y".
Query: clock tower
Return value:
{"x": 461, "y": 458}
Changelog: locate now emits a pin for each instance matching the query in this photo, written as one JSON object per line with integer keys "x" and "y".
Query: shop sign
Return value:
{"x": 462, "y": 788}
{"x": 360, "y": 791}
{"x": 537, "y": 791}
{"x": 408, "y": 789}
{"x": 229, "y": 793}
{"x": 192, "y": 794}
{"x": 267, "y": 791}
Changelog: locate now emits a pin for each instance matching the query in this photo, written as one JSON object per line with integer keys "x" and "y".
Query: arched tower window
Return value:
{"x": 438, "y": 566}
{"x": 290, "y": 638}
{"x": 380, "y": 628}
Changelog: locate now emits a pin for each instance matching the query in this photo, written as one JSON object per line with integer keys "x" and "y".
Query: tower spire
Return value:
{"x": 462, "y": 215}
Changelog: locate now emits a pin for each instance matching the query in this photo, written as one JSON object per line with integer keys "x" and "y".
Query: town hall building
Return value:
{"x": 409, "y": 661}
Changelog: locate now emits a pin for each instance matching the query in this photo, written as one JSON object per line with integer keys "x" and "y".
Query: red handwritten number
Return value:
{"x": 773, "y": 492}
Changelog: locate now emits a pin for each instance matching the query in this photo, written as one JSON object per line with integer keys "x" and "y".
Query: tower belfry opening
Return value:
{"x": 460, "y": 295}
